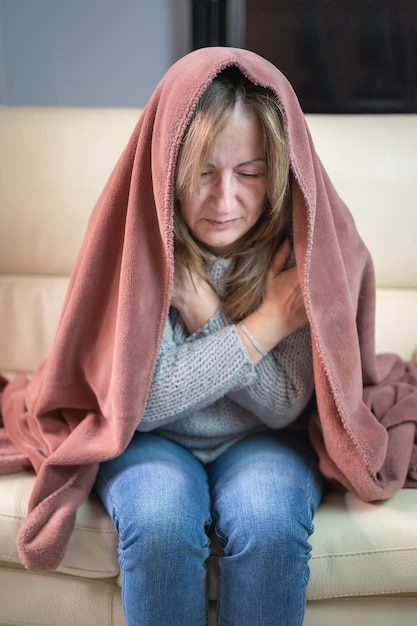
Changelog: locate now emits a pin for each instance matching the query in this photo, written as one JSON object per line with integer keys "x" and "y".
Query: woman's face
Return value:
{"x": 233, "y": 184}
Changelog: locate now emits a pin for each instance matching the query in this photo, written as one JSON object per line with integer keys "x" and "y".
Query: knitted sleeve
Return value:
{"x": 284, "y": 381}
{"x": 194, "y": 371}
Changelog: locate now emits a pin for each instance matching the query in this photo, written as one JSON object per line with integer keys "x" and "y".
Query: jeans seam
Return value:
{"x": 310, "y": 530}
{"x": 114, "y": 517}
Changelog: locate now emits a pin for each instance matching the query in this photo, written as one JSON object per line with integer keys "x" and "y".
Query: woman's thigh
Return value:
{"x": 271, "y": 470}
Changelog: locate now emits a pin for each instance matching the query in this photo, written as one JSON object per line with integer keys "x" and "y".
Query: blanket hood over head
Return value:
{"x": 83, "y": 404}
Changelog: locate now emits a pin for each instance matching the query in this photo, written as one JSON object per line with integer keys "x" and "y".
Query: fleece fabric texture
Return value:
{"x": 84, "y": 403}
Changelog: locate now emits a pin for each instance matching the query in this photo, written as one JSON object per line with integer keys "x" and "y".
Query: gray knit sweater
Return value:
{"x": 206, "y": 393}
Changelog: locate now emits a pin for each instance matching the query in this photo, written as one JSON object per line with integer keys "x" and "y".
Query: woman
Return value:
{"x": 234, "y": 374}
{"x": 183, "y": 384}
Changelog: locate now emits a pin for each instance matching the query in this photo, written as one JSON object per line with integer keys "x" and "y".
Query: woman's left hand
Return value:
{"x": 283, "y": 305}
{"x": 282, "y": 310}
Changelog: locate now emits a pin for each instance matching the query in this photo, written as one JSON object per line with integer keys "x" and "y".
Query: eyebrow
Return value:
{"x": 250, "y": 162}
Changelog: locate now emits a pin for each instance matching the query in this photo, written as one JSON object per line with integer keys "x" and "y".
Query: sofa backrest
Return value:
{"x": 55, "y": 162}
{"x": 372, "y": 161}
{"x": 54, "y": 165}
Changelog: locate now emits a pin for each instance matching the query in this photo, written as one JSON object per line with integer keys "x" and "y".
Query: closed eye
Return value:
{"x": 250, "y": 174}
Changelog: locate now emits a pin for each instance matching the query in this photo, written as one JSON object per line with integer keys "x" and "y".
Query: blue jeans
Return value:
{"x": 261, "y": 495}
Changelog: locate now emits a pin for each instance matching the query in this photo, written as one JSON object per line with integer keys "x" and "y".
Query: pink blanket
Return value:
{"x": 83, "y": 404}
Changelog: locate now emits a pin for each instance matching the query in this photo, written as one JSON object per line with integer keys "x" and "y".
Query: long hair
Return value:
{"x": 251, "y": 255}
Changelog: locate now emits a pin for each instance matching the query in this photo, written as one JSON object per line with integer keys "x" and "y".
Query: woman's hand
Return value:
{"x": 194, "y": 298}
{"x": 283, "y": 305}
{"x": 282, "y": 310}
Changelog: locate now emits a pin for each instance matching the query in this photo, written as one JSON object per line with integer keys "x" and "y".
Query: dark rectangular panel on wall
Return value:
{"x": 208, "y": 23}
{"x": 341, "y": 55}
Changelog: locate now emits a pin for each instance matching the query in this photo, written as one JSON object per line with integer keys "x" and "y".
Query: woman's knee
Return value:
{"x": 162, "y": 533}
{"x": 265, "y": 526}
{"x": 269, "y": 534}
{"x": 266, "y": 496}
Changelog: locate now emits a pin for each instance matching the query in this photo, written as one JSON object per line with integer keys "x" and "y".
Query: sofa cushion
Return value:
{"x": 30, "y": 307}
{"x": 396, "y": 315}
{"x": 58, "y": 600}
{"x": 372, "y": 161}
{"x": 55, "y": 164}
{"x": 92, "y": 549}
{"x": 363, "y": 548}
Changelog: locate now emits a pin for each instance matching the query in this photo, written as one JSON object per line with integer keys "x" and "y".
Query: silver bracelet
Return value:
{"x": 252, "y": 339}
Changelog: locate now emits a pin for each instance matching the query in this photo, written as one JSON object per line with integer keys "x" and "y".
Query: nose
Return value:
{"x": 223, "y": 194}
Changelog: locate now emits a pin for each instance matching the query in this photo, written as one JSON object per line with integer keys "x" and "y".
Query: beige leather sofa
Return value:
{"x": 53, "y": 164}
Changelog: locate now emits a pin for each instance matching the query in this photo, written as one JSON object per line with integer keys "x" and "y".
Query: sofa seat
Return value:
{"x": 360, "y": 551}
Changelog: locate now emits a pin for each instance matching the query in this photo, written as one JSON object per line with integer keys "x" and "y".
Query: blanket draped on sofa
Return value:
{"x": 84, "y": 402}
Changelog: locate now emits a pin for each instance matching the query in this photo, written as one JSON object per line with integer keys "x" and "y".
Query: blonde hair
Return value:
{"x": 252, "y": 253}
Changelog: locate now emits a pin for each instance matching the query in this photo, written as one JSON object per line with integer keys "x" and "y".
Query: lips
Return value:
{"x": 221, "y": 224}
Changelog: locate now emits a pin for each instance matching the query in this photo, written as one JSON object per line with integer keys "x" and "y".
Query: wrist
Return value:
{"x": 256, "y": 350}
{"x": 266, "y": 330}
{"x": 252, "y": 340}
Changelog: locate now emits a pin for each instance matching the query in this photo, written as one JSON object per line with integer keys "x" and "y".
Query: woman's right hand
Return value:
{"x": 194, "y": 298}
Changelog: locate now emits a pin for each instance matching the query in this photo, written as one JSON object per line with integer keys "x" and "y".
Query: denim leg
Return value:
{"x": 157, "y": 495}
{"x": 265, "y": 491}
